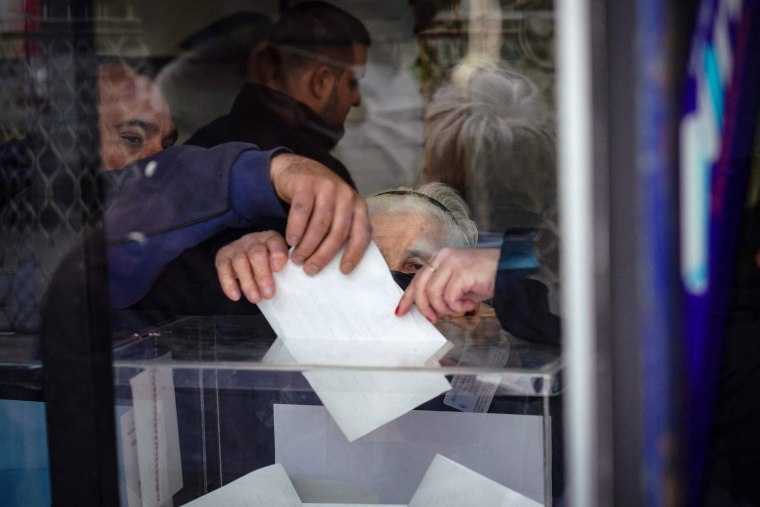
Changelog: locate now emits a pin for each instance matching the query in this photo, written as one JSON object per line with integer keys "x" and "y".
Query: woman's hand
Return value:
{"x": 453, "y": 281}
{"x": 247, "y": 265}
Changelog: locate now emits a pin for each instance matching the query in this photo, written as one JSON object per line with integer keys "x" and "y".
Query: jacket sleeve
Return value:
{"x": 521, "y": 303}
{"x": 175, "y": 200}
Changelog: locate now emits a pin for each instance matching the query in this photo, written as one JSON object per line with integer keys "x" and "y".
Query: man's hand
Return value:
{"x": 453, "y": 281}
{"x": 325, "y": 213}
{"x": 249, "y": 262}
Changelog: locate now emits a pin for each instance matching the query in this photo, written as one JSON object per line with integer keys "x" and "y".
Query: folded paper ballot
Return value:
{"x": 266, "y": 487}
{"x": 313, "y": 314}
{"x": 333, "y": 319}
{"x": 449, "y": 484}
{"x": 445, "y": 484}
{"x": 507, "y": 448}
{"x": 156, "y": 436}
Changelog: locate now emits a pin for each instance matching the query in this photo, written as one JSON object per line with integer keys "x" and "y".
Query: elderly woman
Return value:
{"x": 491, "y": 137}
{"x": 408, "y": 226}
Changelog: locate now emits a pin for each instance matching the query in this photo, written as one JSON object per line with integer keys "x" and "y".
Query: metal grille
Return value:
{"x": 49, "y": 145}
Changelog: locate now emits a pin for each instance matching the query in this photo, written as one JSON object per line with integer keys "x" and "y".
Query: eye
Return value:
{"x": 133, "y": 140}
{"x": 412, "y": 266}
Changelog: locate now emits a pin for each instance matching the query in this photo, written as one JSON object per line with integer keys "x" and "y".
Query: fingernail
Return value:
{"x": 254, "y": 296}
{"x": 347, "y": 266}
{"x": 396, "y": 312}
{"x": 431, "y": 320}
{"x": 293, "y": 240}
{"x": 277, "y": 264}
{"x": 235, "y": 295}
{"x": 267, "y": 292}
{"x": 297, "y": 259}
{"x": 311, "y": 269}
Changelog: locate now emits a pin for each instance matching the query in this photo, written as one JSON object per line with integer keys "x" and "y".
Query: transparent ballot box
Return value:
{"x": 217, "y": 411}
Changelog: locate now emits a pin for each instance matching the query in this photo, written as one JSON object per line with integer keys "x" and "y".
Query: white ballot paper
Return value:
{"x": 155, "y": 419}
{"x": 131, "y": 469}
{"x": 507, "y": 448}
{"x": 445, "y": 484}
{"x": 449, "y": 484}
{"x": 348, "y": 320}
{"x": 266, "y": 487}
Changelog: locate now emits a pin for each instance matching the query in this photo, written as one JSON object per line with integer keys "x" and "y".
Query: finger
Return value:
{"x": 340, "y": 229}
{"x": 227, "y": 279}
{"x": 453, "y": 294}
{"x": 258, "y": 257}
{"x": 242, "y": 268}
{"x": 319, "y": 226}
{"x": 298, "y": 217}
{"x": 420, "y": 294}
{"x": 468, "y": 305}
{"x": 278, "y": 251}
{"x": 435, "y": 290}
{"x": 358, "y": 239}
{"x": 407, "y": 300}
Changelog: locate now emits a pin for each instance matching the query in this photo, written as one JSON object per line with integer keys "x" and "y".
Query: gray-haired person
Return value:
{"x": 492, "y": 139}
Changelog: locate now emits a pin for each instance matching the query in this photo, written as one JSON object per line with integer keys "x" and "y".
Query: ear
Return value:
{"x": 321, "y": 82}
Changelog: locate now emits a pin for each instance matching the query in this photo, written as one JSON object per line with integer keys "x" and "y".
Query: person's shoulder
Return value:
{"x": 217, "y": 132}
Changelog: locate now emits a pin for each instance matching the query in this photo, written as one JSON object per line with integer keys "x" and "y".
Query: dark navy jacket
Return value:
{"x": 180, "y": 199}
{"x": 521, "y": 303}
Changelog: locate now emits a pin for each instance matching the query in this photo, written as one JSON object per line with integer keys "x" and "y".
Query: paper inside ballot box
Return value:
{"x": 445, "y": 484}
{"x": 156, "y": 436}
{"x": 338, "y": 320}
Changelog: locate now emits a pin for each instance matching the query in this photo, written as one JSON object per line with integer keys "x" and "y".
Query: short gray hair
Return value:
{"x": 492, "y": 139}
{"x": 434, "y": 201}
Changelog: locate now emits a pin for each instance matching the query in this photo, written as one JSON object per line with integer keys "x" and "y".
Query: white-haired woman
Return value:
{"x": 410, "y": 225}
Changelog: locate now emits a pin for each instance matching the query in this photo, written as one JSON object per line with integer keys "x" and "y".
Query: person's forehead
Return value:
{"x": 403, "y": 237}
{"x": 403, "y": 230}
{"x": 133, "y": 96}
{"x": 398, "y": 221}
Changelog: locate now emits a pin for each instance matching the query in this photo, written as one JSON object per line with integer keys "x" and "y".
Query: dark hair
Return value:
{"x": 317, "y": 25}
{"x": 231, "y": 38}
{"x": 316, "y": 28}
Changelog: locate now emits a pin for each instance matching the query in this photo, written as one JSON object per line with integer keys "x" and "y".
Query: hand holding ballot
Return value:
{"x": 325, "y": 213}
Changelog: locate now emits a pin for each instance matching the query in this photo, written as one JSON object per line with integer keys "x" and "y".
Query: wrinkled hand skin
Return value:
{"x": 454, "y": 281}
{"x": 247, "y": 265}
{"x": 325, "y": 213}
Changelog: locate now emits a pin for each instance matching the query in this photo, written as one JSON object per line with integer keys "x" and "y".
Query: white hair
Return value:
{"x": 493, "y": 141}
{"x": 454, "y": 222}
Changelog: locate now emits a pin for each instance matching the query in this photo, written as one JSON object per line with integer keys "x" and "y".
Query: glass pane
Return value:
{"x": 149, "y": 147}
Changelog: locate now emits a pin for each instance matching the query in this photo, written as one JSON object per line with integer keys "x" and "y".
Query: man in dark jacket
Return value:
{"x": 162, "y": 232}
{"x": 304, "y": 82}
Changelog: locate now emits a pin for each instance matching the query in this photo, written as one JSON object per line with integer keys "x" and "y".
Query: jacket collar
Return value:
{"x": 294, "y": 114}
